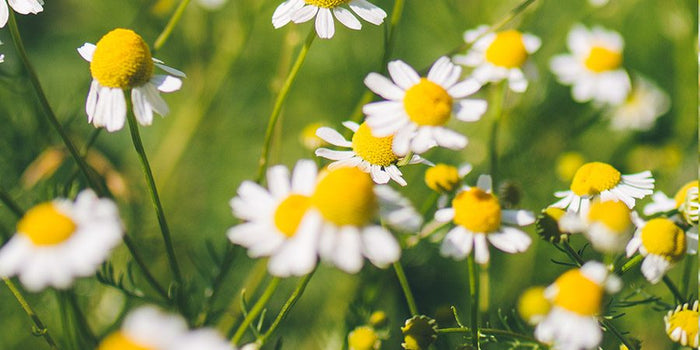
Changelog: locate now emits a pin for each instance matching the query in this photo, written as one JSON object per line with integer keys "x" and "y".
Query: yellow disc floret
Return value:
{"x": 601, "y": 59}
{"x": 614, "y": 215}
{"x": 363, "y": 338}
{"x": 595, "y": 177}
{"x": 122, "y": 60}
{"x": 375, "y": 150}
{"x": 329, "y": 4}
{"x": 663, "y": 237}
{"x": 683, "y": 192}
{"x": 507, "y": 50}
{"x": 289, "y": 213}
{"x": 119, "y": 341}
{"x": 477, "y": 210}
{"x": 578, "y": 294}
{"x": 533, "y": 306}
{"x": 682, "y": 325}
{"x": 345, "y": 196}
{"x": 427, "y": 103}
{"x": 442, "y": 178}
{"x": 45, "y": 225}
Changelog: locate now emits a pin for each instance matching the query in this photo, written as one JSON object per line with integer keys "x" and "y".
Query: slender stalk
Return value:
{"x": 256, "y": 310}
{"x": 631, "y": 263}
{"x": 687, "y": 271}
{"x": 609, "y": 326}
{"x": 160, "y": 41}
{"x": 301, "y": 286}
{"x": 410, "y": 300}
{"x": 40, "y": 328}
{"x": 498, "y": 96}
{"x": 572, "y": 253}
{"x": 484, "y": 292}
{"x": 142, "y": 265}
{"x": 80, "y": 318}
{"x": 279, "y": 102}
{"x": 673, "y": 289}
{"x": 138, "y": 145}
{"x": 474, "y": 300}
{"x": 227, "y": 260}
{"x": 6, "y": 199}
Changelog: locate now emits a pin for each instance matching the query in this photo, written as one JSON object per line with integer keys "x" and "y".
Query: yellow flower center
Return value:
{"x": 662, "y": 237}
{"x": 442, "y": 178}
{"x": 683, "y": 192}
{"x": 289, "y": 213}
{"x": 119, "y": 341}
{"x": 507, "y": 50}
{"x": 329, "y": 4}
{"x": 687, "y": 320}
{"x": 427, "y": 103}
{"x": 477, "y": 211}
{"x": 532, "y": 305}
{"x": 595, "y": 177}
{"x": 44, "y": 225}
{"x": 345, "y": 196}
{"x": 613, "y": 214}
{"x": 363, "y": 338}
{"x": 376, "y": 150}
{"x": 578, "y": 294}
{"x": 122, "y": 60}
{"x": 601, "y": 59}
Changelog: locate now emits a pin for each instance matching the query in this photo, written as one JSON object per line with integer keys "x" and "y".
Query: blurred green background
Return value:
{"x": 235, "y": 61}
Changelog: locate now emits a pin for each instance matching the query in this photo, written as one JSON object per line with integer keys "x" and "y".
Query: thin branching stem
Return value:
{"x": 10, "y": 203}
{"x": 256, "y": 310}
{"x": 160, "y": 41}
{"x": 630, "y": 264}
{"x": 403, "y": 281}
{"x": 680, "y": 299}
{"x": 474, "y": 300}
{"x": 40, "y": 327}
{"x": 298, "y": 291}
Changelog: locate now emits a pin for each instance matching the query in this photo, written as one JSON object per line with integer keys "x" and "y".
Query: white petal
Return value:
{"x": 517, "y": 81}
{"x": 457, "y": 243}
{"x": 333, "y": 155}
{"x": 368, "y": 11}
{"x": 4, "y": 13}
{"x": 304, "y": 14}
{"x": 380, "y": 247}
{"x": 518, "y": 217}
{"x": 403, "y": 75}
{"x": 142, "y": 109}
{"x": 86, "y": 51}
{"x": 383, "y": 87}
{"x": 283, "y": 13}
{"x": 115, "y": 110}
{"x": 304, "y": 177}
{"x": 464, "y": 88}
{"x": 166, "y": 83}
{"x": 278, "y": 181}
{"x": 26, "y": 6}
{"x": 470, "y": 110}
{"x": 346, "y": 17}
{"x": 485, "y": 183}
{"x": 332, "y": 136}
{"x": 447, "y": 138}
{"x": 481, "y": 249}
{"x": 153, "y": 97}
{"x": 654, "y": 267}
{"x": 91, "y": 102}
{"x": 168, "y": 69}
{"x": 532, "y": 43}
{"x": 348, "y": 250}
{"x": 378, "y": 175}
{"x": 351, "y": 125}
{"x": 324, "y": 24}
{"x": 445, "y": 215}
{"x": 444, "y": 72}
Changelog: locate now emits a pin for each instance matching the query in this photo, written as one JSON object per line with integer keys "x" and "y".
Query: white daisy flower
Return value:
{"x": 444, "y": 179}
{"x": 685, "y": 201}
{"x": 478, "y": 215}
{"x": 682, "y": 324}
{"x": 300, "y": 11}
{"x": 597, "y": 179}
{"x": 23, "y": 7}
{"x": 373, "y": 155}
{"x": 577, "y": 297}
{"x": 662, "y": 243}
{"x": 594, "y": 67}
{"x": 645, "y": 103}
{"x": 416, "y": 109}
{"x": 499, "y": 56}
{"x": 276, "y": 221}
{"x": 120, "y": 61}
{"x": 608, "y": 225}
{"x": 61, "y": 240}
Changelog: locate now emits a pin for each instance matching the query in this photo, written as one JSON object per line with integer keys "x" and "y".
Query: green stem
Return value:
{"x": 687, "y": 271}
{"x": 301, "y": 286}
{"x": 279, "y": 102}
{"x": 256, "y": 310}
{"x": 610, "y": 327}
{"x": 498, "y": 96}
{"x": 10, "y": 203}
{"x": 491, "y": 332}
{"x": 474, "y": 300}
{"x": 160, "y": 41}
{"x": 410, "y": 300}
{"x": 138, "y": 145}
{"x": 80, "y": 318}
{"x": 48, "y": 111}
{"x": 631, "y": 263}
{"x": 144, "y": 269}
{"x": 227, "y": 260}
{"x": 572, "y": 253}
{"x": 674, "y": 290}
{"x": 39, "y": 327}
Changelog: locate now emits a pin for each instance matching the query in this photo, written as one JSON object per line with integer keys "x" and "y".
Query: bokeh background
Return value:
{"x": 235, "y": 61}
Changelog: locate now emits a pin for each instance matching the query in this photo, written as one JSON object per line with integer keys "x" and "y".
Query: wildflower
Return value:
{"x": 597, "y": 179}
{"x": 363, "y": 338}
{"x": 444, "y": 179}
{"x": 373, "y": 155}
{"x": 477, "y": 215}
{"x": 548, "y": 225}
{"x": 417, "y": 109}
{"x": 682, "y": 324}
{"x": 23, "y": 7}
{"x": 418, "y": 333}
{"x": 607, "y": 224}
{"x": 533, "y": 306}
{"x": 499, "y": 56}
{"x": 147, "y": 328}
{"x": 300, "y": 11}
{"x": 639, "y": 111}
{"x": 594, "y": 66}
{"x": 276, "y": 223}
{"x": 685, "y": 201}
{"x": 577, "y": 298}
{"x": 121, "y": 60}
{"x": 662, "y": 243}
{"x": 60, "y": 240}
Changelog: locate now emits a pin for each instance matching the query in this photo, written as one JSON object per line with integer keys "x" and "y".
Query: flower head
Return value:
{"x": 120, "y": 61}
{"x": 685, "y": 201}
{"x": 533, "y": 306}
{"x": 639, "y": 111}
{"x": 662, "y": 243}
{"x": 682, "y": 324}
{"x": 300, "y": 11}
{"x": 418, "y": 333}
{"x": 61, "y": 240}
{"x": 363, "y": 338}
{"x": 499, "y": 56}
{"x": 417, "y": 109}
{"x": 24, "y": 7}
{"x": 607, "y": 224}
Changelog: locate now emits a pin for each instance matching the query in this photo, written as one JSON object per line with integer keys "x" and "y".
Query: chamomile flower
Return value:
{"x": 662, "y": 244}
{"x": 609, "y": 225}
{"x": 120, "y": 61}
{"x": 373, "y": 155}
{"x": 499, "y": 56}
{"x": 594, "y": 67}
{"x": 416, "y": 109}
{"x": 275, "y": 219}
{"x": 639, "y": 111}
{"x": 61, "y": 240}
{"x": 577, "y": 299}
{"x": 478, "y": 216}
{"x": 444, "y": 179}
{"x": 602, "y": 180}
{"x": 685, "y": 201}
{"x": 533, "y": 306}
{"x": 682, "y": 324}
{"x": 300, "y": 11}
{"x": 364, "y": 338}
{"x": 23, "y": 7}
